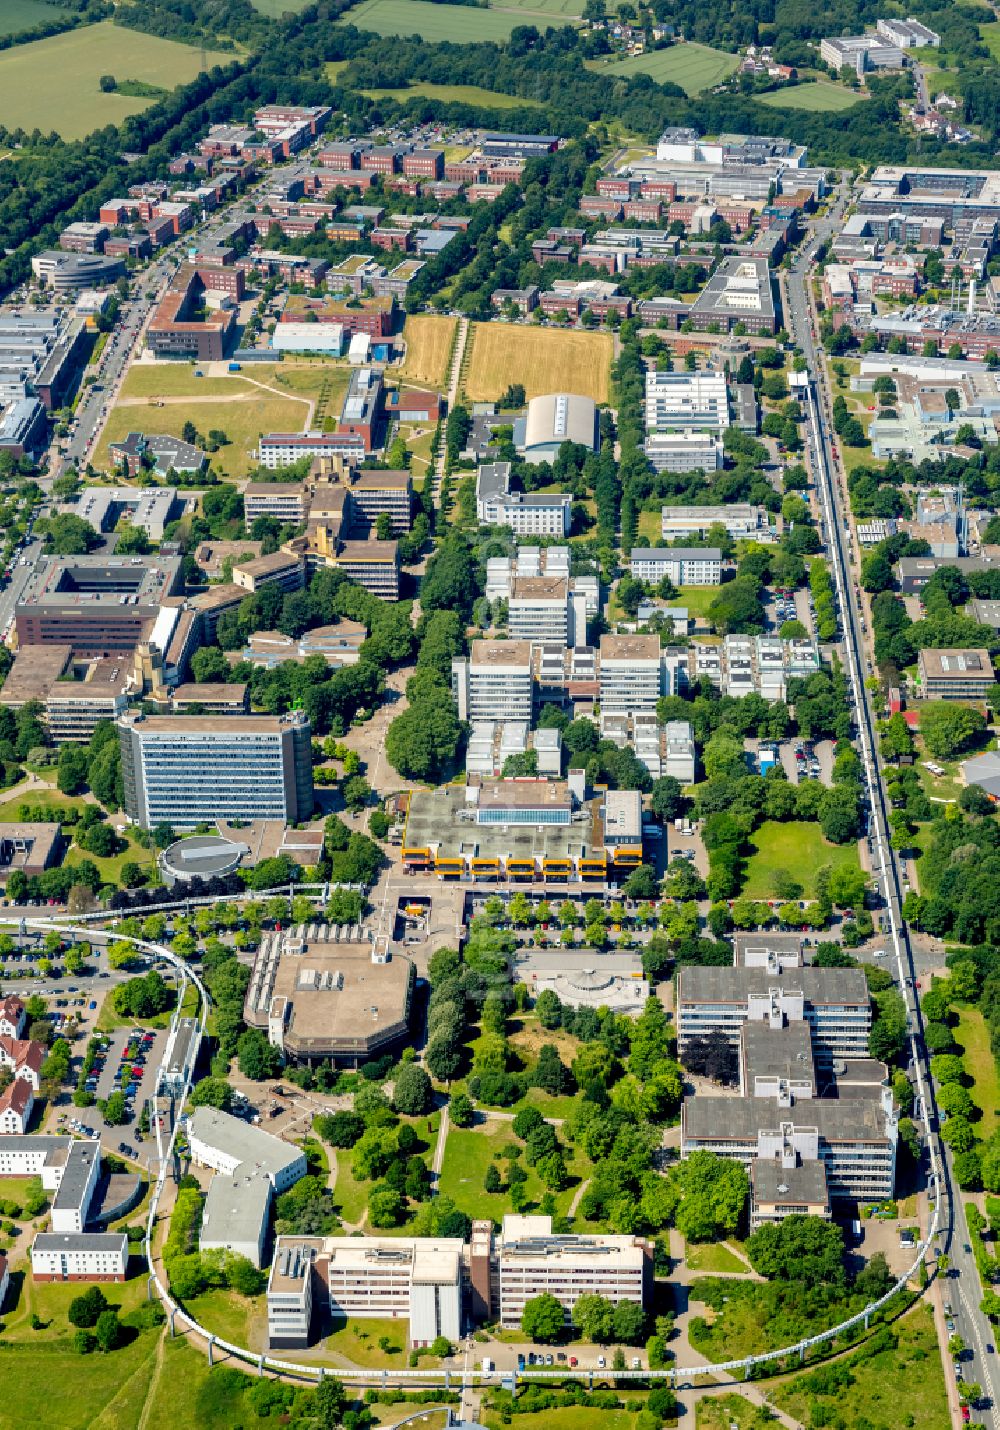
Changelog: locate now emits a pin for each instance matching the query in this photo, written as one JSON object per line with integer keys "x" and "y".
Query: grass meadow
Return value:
{"x": 54, "y": 84}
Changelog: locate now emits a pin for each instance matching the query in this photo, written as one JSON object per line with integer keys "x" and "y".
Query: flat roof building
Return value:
{"x": 682, "y": 565}
{"x": 742, "y": 521}
{"x": 525, "y": 829}
{"x": 526, "y": 513}
{"x": 532, "y": 1261}
{"x": 329, "y": 993}
{"x": 150, "y": 509}
{"x": 955, "y": 674}
{"x": 739, "y": 291}
{"x": 185, "y": 769}
{"x": 834, "y": 1002}
{"x": 97, "y": 604}
{"x": 86, "y": 1256}
{"x": 494, "y": 682}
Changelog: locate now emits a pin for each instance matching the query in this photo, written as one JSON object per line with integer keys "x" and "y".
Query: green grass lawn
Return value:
{"x": 468, "y": 1154}
{"x": 713, "y": 1258}
{"x": 990, "y": 36}
{"x": 972, "y": 1037}
{"x": 436, "y": 23}
{"x": 187, "y": 1393}
{"x": 904, "y": 1386}
{"x": 108, "y": 1019}
{"x": 243, "y": 420}
{"x": 452, "y": 94}
{"x": 227, "y": 1314}
{"x": 55, "y": 83}
{"x": 58, "y": 1389}
{"x": 692, "y": 66}
{"x": 18, "y": 15}
{"x": 349, "y": 1195}
{"x": 797, "y": 847}
{"x": 730, "y": 1412}
{"x": 274, "y": 9}
{"x": 358, "y": 1342}
{"x": 568, "y": 1417}
{"x": 821, "y": 96}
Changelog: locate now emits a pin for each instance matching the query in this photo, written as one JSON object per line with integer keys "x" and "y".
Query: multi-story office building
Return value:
{"x": 683, "y": 452}
{"x": 683, "y": 565}
{"x": 429, "y": 1281}
{"x": 96, "y": 604}
{"x": 698, "y": 401}
{"x": 523, "y": 830}
{"x": 251, "y": 1168}
{"x": 809, "y": 1127}
{"x": 285, "y": 502}
{"x": 955, "y": 674}
{"x": 526, "y": 513}
{"x": 494, "y": 682}
{"x": 834, "y": 1002}
{"x": 317, "y": 995}
{"x": 742, "y": 521}
{"x": 630, "y": 674}
{"x": 184, "y": 769}
{"x": 539, "y": 609}
{"x": 679, "y": 758}
{"x": 85, "y": 1256}
{"x": 290, "y": 1295}
{"x": 278, "y": 568}
{"x": 530, "y": 1261}
{"x": 739, "y": 292}
{"x": 761, "y": 665}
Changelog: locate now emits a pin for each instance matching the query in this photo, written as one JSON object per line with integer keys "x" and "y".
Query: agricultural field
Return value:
{"x": 692, "y": 66}
{"x": 797, "y": 848}
{"x": 435, "y": 23}
{"x": 450, "y": 93}
{"x": 542, "y": 359}
{"x": 274, "y": 9}
{"x": 429, "y": 341}
{"x": 18, "y": 15}
{"x": 821, "y": 97}
{"x": 550, "y": 9}
{"x": 54, "y": 84}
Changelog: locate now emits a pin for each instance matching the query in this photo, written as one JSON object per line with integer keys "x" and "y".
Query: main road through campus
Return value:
{"x": 963, "y": 1286}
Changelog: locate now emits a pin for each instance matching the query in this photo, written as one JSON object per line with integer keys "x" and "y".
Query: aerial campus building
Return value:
{"x": 523, "y": 830}
{"x": 251, "y": 1168}
{"x": 815, "y": 1119}
{"x": 442, "y": 1285}
{"x": 329, "y": 992}
{"x": 185, "y": 769}
{"x": 97, "y": 604}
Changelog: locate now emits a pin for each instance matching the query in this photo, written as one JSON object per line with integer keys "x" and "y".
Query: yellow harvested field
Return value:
{"x": 541, "y": 359}
{"x": 429, "y": 338}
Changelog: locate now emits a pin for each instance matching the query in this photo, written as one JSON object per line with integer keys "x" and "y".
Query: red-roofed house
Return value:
{"x": 24, "y": 1056}
{"x": 15, "y": 1107}
{"x": 11, "y": 1016}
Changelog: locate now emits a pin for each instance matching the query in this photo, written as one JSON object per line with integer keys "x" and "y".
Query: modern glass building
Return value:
{"x": 183, "y": 770}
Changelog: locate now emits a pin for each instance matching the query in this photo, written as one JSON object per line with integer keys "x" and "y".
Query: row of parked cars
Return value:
{"x": 133, "y": 1065}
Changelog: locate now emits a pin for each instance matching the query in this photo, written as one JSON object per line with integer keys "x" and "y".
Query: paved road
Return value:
{"x": 123, "y": 343}
{"x": 963, "y": 1290}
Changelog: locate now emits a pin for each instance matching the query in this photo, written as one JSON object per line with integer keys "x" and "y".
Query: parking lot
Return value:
{"x": 111, "y": 1075}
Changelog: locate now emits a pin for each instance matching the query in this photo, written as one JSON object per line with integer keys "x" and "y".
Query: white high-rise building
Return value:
{"x": 494, "y": 683}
